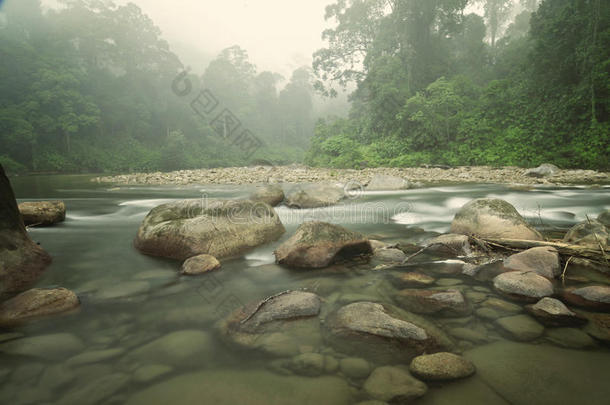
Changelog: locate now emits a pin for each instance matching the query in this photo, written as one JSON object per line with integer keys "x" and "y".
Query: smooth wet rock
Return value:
{"x": 381, "y": 182}
{"x": 595, "y": 297}
{"x": 308, "y": 364}
{"x": 541, "y": 260}
{"x": 394, "y": 385}
{"x": 523, "y": 285}
{"x": 36, "y": 303}
{"x": 543, "y": 374}
{"x": 552, "y": 312}
{"x": 439, "y": 302}
{"x": 569, "y": 337}
{"x": 314, "y": 196}
{"x": 199, "y": 264}
{"x": 598, "y": 326}
{"x": 186, "y": 347}
{"x": 22, "y": 261}
{"x": 271, "y": 194}
{"x": 588, "y": 233}
{"x": 42, "y": 213}
{"x": 441, "y": 366}
{"x": 151, "y": 372}
{"x": 544, "y": 170}
{"x": 355, "y": 367}
{"x": 412, "y": 279}
{"x": 469, "y": 334}
{"x": 319, "y": 244}
{"x": 382, "y": 331}
{"x": 502, "y": 306}
{"x": 390, "y": 255}
{"x": 492, "y": 218}
{"x": 56, "y": 376}
{"x": 449, "y": 245}
{"x": 221, "y": 228}
{"x": 256, "y": 387}
{"x": 94, "y": 356}
{"x": 57, "y": 346}
{"x": 521, "y": 327}
{"x": 95, "y": 391}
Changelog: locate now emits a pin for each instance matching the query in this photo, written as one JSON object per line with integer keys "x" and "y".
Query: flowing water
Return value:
{"x": 129, "y": 300}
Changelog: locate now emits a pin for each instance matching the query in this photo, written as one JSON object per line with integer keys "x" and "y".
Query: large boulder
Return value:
{"x": 382, "y": 331}
{"x": 271, "y": 194}
{"x": 35, "y": 303}
{"x": 541, "y": 260}
{"x": 319, "y": 244}
{"x": 492, "y": 218}
{"x": 42, "y": 213}
{"x": 544, "y": 170}
{"x": 383, "y": 182}
{"x": 523, "y": 285}
{"x": 314, "y": 196}
{"x": 588, "y": 232}
{"x": 220, "y": 228}
{"x": 21, "y": 260}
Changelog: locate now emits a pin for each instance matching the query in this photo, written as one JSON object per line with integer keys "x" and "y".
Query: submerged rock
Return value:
{"x": 412, "y": 279}
{"x": 595, "y": 297}
{"x": 319, "y": 244}
{"x": 544, "y": 170}
{"x": 42, "y": 213}
{"x": 21, "y": 260}
{"x": 588, "y": 233}
{"x": 186, "y": 347}
{"x": 441, "y": 366}
{"x": 394, "y": 385}
{"x": 552, "y": 312}
{"x": 440, "y": 302}
{"x": 569, "y": 337}
{"x": 271, "y": 194}
{"x": 35, "y": 303}
{"x": 389, "y": 255}
{"x": 180, "y": 230}
{"x": 521, "y": 327}
{"x": 199, "y": 264}
{"x": 314, "y": 196}
{"x": 492, "y": 218}
{"x": 523, "y": 285}
{"x": 57, "y": 346}
{"x": 541, "y": 260}
{"x": 382, "y": 182}
{"x": 355, "y": 367}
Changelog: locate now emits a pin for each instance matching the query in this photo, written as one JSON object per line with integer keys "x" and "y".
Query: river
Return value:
{"x": 129, "y": 300}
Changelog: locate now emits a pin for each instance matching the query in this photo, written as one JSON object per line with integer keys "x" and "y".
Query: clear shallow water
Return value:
{"x": 129, "y": 300}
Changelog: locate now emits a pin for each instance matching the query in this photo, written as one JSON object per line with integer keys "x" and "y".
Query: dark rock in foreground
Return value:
{"x": 180, "y": 230}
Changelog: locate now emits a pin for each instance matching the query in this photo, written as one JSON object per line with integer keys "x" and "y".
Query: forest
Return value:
{"x": 91, "y": 87}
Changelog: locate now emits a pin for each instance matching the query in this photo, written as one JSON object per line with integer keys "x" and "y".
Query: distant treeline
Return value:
{"x": 525, "y": 83}
{"x": 88, "y": 87}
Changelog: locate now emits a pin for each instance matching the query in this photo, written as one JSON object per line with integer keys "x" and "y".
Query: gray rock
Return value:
{"x": 22, "y": 262}
{"x": 595, "y": 297}
{"x": 523, "y": 373}
{"x": 598, "y": 326}
{"x": 230, "y": 387}
{"x": 308, "y": 364}
{"x": 382, "y": 182}
{"x": 314, "y": 196}
{"x": 36, "y": 303}
{"x": 588, "y": 233}
{"x": 449, "y": 244}
{"x": 503, "y": 307}
{"x": 390, "y": 255}
{"x": 271, "y": 194}
{"x": 544, "y": 170}
{"x": 42, "y": 213}
{"x": 394, "y": 384}
{"x": 441, "y": 366}
{"x": 184, "y": 229}
{"x": 521, "y": 327}
{"x": 541, "y": 260}
{"x": 492, "y": 218}
{"x": 50, "y": 347}
{"x": 552, "y": 312}
{"x": 199, "y": 264}
{"x": 354, "y": 367}
{"x": 186, "y": 347}
{"x": 440, "y": 302}
{"x": 318, "y": 244}
{"x": 523, "y": 285}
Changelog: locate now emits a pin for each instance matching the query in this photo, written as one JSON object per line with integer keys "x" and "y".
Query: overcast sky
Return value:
{"x": 279, "y": 35}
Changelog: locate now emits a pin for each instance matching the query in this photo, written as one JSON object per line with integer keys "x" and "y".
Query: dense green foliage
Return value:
{"x": 437, "y": 85}
{"x": 88, "y": 87}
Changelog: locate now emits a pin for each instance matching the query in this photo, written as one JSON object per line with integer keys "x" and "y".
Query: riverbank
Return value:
{"x": 304, "y": 174}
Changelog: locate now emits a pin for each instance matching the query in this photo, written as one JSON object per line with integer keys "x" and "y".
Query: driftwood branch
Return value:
{"x": 565, "y": 249}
